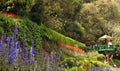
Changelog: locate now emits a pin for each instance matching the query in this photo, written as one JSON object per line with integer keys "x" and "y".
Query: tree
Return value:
{"x": 55, "y": 14}
{"x": 94, "y": 16}
{"x": 16, "y": 6}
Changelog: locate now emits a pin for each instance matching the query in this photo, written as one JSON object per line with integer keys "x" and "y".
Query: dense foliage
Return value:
{"x": 30, "y": 31}
{"x": 83, "y": 62}
{"x": 13, "y": 57}
{"x": 97, "y": 18}
{"x": 82, "y": 20}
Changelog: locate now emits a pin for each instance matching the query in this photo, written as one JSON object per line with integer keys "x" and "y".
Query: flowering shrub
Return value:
{"x": 14, "y": 56}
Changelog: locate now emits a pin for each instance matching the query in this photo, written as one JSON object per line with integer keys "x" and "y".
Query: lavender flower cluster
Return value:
{"x": 11, "y": 50}
{"x": 14, "y": 54}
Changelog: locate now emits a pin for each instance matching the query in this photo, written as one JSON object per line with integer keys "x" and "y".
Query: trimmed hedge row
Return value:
{"x": 53, "y": 35}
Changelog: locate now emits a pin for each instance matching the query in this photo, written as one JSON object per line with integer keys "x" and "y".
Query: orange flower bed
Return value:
{"x": 71, "y": 47}
{"x": 11, "y": 15}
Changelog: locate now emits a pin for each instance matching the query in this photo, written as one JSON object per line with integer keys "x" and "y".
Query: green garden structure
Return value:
{"x": 108, "y": 51}
{"x": 103, "y": 48}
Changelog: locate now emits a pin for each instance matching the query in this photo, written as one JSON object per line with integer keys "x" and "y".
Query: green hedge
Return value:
{"x": 27, "y": 30}
{"x": 33, "y": 32}
{"x": 53, "y": 35}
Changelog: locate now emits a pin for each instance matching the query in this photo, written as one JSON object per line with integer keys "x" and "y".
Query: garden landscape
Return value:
{"x": 59, "y": 35}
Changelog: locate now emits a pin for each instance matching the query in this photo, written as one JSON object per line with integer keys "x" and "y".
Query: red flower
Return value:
{"x": 13, "y": 15}
{"x": 71, "y": 47}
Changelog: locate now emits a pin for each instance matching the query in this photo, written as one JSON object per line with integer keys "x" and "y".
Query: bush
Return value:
{"x": 76, "y": 69}
{"x": 53, "y": 35}
{"x": 26, "y": 28}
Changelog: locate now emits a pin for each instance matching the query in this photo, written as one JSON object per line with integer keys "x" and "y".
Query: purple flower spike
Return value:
{"x": 33, "y": 43}
{"x": 31, "y": 50}
{"x": 34, "y": 52}
{"x": 1, "y": 49}
{"x": 8, "y": 41}
{"x": 18, "y": 44}
{"x": 32, "y": 56}
{"x": 16, "y": 52}
{"x": 0, "y": 43}
{"x": 62, "y": 66}
{"x": 12, "y": 55}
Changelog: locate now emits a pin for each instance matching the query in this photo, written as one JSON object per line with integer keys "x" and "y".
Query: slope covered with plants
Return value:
{"x": 26, "y": 40}
{"x": 32, "y": 32}
{"x": 48, "y": 23}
